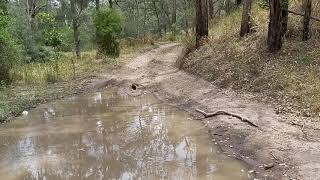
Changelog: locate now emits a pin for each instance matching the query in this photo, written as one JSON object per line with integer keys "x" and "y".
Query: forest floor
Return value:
{"x": 281, "y": 147}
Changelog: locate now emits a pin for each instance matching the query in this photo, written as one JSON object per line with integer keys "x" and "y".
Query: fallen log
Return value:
{"x": 219, "y": 113}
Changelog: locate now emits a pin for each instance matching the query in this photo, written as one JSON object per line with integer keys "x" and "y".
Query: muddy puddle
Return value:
{"x": 108, "y": 136}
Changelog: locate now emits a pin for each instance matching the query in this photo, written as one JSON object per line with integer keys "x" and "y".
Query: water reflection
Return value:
{"x": 106, "y": 136}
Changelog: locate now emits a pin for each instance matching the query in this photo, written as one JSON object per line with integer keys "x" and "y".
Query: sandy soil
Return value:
{"x": 277, "y": 149}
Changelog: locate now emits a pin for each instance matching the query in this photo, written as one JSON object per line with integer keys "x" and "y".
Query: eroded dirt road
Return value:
{"x": 275, "y": 150}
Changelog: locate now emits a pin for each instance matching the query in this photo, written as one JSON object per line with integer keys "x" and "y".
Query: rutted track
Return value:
{"x": 285, "y": 146}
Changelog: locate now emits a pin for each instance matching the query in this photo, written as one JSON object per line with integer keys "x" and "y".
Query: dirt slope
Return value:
{"x": 290, "y": 151}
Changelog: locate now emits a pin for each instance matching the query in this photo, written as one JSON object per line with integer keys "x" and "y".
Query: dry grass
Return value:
{"x": 292, "y": 76}
{"x": 62, "y": 68}
{"x": 38, "y": 83}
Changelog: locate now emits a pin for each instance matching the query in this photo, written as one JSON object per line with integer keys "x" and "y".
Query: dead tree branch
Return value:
{"x": 300, "y": 14}
{"x": 218, "y": 113}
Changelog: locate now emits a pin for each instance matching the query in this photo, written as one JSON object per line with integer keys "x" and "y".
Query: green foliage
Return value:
{"x": 263, "y": 4}
{"x": 3, "y": 7}
{"x": 40, "y": 54}
{"x": 68, "y": 40}
{"x": 170, "y": 36}
{"x": 8, "y": 52}
{"x": 109, "y": 25}
{"x": 46, "y": 18}
{"x": 53, "y": 38}
{"x": 306, "y": 59}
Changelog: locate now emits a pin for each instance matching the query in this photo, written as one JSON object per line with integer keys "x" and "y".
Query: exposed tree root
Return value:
{"x": 218, "y": 113}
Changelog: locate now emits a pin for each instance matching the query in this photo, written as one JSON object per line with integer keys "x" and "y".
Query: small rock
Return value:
{"x": 268, "y": 166}
{"x": 25, "y": 113}
{"x": 282, "y": 164}
{"x": 251, "y": 171}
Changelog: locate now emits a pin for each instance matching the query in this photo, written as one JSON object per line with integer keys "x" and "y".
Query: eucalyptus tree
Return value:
{"x": 246, "y": 18}
{"x": 202, "y": 21}
{"x": 284, "y": 16}
{"x": 275, "y": 28}
{"x": 77, "y": 9}
{"x": 307, "y": 7}
{"x": 97, "y": 3}
{"x": 33, "y": 8}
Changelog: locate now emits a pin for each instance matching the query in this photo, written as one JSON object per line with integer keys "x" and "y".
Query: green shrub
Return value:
{"x": 53, "y": 38}
{"x": 68, "y": 39}
{"x": 51, "y": 77}
{"x": 170, "y": 36}
{"x": 109, "y": 25}
{"x": 8, "y": 52}
{"x": 40, "y": 54}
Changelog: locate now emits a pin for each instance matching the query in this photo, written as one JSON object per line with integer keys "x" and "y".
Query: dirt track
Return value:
{"x": 290, "y": 151}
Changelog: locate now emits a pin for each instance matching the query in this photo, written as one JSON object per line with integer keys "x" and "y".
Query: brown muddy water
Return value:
{"x": 107, "y": 136}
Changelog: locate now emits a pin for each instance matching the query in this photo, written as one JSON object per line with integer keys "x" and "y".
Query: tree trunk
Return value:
{"x": 144, "y": 18}
{"x": 157, "y": 16}
{"x": 32, "y": 12}
{"x": 227, "y": 6}
{"x": 246, "y": 18}
{"x": 110, "y": 3}
{"x": 97, "y": 5}
{"x": 75, "y": 26}
{"x": 186, "y": 16}
{"x": 174, "y": 12}
{"x": 284, "y": 17}
{"x": 239, "y": 2}
{"x": 274, "y": 32}
{"x": 76, "y": 33}
{"x": 167, "y": 15}
{"x": 306, "y": 20}
{"x": 137, "y": 18}
{"x": 96, "y": 35}
{"x": 211, "y": 9}
{"x": 202, "y": 21}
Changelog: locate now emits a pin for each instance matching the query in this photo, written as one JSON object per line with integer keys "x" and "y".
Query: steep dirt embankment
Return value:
{"x": 275, "y": 149}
